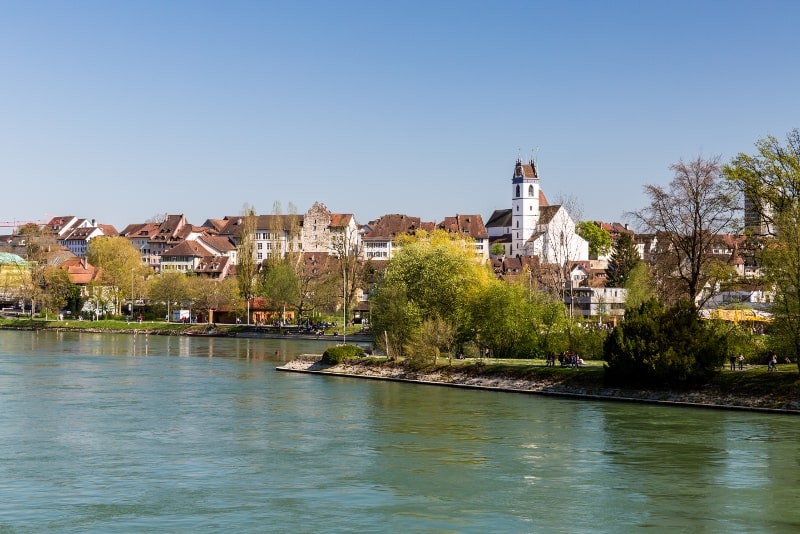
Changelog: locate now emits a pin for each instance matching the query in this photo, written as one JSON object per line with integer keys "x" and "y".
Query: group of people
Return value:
{"x": 565, "y": 359}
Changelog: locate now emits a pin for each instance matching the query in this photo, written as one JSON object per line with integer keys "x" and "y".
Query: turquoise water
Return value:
{"x": 105, "y": 433}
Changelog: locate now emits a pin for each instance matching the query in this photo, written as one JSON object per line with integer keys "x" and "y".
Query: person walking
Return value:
{"x": 733, "y": 362}
{"x": 741, "y": 361}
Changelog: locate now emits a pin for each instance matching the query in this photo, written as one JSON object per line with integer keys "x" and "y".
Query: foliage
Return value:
{"x": 341, "y": 353}
{"x": 435, "y": 336}
{"x": 503, "y": 319}
{"x": 770, "y": 181}
{"x": 170, "y": 287}
{"x": 395, "y": 319}
{"x": 661, "y": 346}
{"x": 56, "y": 289}
{"x": 209, "y": 295}
{"x": 599, "y": 239}
{"x": 246, "y": 266}
{"x": 639, "y": 286}
{"x": 433, "y": 275}
{"x": 278, "y": 282}
{"x": 687, "y": 218}
{"x": 120, "y": 265}
{"x": 624, "y": 258}
{"x": 497, "y": 249}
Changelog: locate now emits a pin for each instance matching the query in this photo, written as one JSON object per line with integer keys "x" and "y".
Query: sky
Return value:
{"x": 121, "y": 111}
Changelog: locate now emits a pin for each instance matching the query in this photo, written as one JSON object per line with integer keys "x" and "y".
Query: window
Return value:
{"x": 530, "y": 190}
{"x": 517, "y": 191}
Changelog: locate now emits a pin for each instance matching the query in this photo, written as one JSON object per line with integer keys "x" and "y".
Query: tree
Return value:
{"x": 434, "y": 275}
{"x": 503, "y": 319}
{"x": 687, "y": 218}
{"x": 624, "y": 258}
{"x": 769, "y": 180}
{"x": 246, "y": 266}
{"x": 209, "y": 295}
{"x": 657, "y": 345}
{"x": 770, "y": 183}
{"x": 598, "y": 238}
{"x": 497, "y": 249}
{"x": 56, "y": 289}
{"x": 639, "y": 286}
{"x": 169, "y": 287}
{"x": 120, "y": 263}
{"x": 279, "y": 283}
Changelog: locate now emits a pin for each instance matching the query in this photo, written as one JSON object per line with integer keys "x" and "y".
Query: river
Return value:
{"x": 123, "y": 433}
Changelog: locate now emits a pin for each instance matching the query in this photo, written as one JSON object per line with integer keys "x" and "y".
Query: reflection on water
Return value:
{"x": 140, "y": 433}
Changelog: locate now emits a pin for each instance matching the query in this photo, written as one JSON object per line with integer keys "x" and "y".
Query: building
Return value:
{"x": 532, "y": 227}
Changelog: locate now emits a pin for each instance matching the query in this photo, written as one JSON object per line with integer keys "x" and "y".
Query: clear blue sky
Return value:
{"x": 122, "y": 110}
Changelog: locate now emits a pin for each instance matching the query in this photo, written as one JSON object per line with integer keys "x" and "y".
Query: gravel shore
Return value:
{"x": 454, "y": 378}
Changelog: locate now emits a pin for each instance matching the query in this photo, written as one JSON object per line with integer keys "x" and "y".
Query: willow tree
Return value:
{"x": 687, "y": 217}
{"x": 433, "y": 277}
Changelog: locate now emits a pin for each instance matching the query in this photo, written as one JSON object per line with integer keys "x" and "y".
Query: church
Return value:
{"x": 532, "y": 227}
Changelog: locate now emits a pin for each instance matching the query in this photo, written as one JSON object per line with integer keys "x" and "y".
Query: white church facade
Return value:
{"x": 532, "y": 227}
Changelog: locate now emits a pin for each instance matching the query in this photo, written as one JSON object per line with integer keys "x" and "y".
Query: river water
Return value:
{"x": 123, "y": 433}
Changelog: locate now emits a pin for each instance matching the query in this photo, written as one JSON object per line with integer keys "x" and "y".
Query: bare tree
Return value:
{"x": 687, "y": 218}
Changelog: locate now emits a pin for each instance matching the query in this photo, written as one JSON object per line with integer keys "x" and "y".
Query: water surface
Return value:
{"x": 122, "y": 433}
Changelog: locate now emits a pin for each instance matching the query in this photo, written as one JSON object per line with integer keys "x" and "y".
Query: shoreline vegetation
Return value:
{"x": 752, "y": 388}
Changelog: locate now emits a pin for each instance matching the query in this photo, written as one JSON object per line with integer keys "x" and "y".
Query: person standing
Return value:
{"x": 741, "y": 361}
{"x": 733, "y": 362}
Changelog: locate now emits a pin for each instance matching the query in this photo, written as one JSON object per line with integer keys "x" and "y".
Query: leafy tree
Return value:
{"x": 208, "y": 294}
{"x": 434, "y": 275}
{"x": 598, "y": 238}
{"x": 246, "y": 265}
{"x": 121, "y": 266}
{"x": 504, "y": 320}
{"x": 624, "y": 258}
{"x": 56, "y": 289}
{"x": 661, "y": 346}
{"x": 687, "y": 218}
{"x": 770, "y": 183}
{"x": 639, "y": 286}
{"x": 169, "y": 287}
{"x": 497, "y": 250}
{"x": 770, "y": 179}
{"x": 395, "y": 319}
{"x": 279, "y": 283}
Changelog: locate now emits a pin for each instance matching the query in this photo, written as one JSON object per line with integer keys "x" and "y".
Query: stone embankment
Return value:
{"x": 707, "y": 398}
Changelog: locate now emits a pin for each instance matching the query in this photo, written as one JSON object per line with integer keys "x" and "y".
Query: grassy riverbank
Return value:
{"x": 752, "y": 387}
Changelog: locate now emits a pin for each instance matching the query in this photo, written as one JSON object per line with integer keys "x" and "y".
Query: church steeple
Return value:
{"x": 524, "y": 204}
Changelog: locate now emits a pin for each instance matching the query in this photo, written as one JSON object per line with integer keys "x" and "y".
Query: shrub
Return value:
{"x": 664, "y": 346}
{"x": 340, "y": 353}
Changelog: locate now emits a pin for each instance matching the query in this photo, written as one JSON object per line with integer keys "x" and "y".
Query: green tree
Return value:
{"x": 121, "y": 266}
{"x": 687, "y": 218}
{"x": 56, "y": 289}
{"x": 435, "y": 275}
{"x": 209, "y": 295}
{"x": 278, "y": 282}
{"x": 504, "y": 320}
{"x": 170, "y": 287}
{"x": 770, "y": 183}
{"x": 395, "y": 319}
{"x": 598, "y": 238}
{"x": 624, "y": 258}
{"x": 246, "y": 265}
{"x": 497, "y": 249}
{"x": 639, "y": 286}
{"x": 656, "y": 345}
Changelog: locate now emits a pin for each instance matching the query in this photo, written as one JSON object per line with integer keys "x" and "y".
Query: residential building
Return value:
{"x": 472, "y": 227}
{"x": 378, "y": 236}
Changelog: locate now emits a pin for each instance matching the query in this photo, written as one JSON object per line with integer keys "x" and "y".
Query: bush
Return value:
{"x": 340, "y": 353}
{"x": 664, "y": 347}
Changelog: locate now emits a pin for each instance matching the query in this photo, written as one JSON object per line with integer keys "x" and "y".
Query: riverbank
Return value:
{"x": 782, "y": 395}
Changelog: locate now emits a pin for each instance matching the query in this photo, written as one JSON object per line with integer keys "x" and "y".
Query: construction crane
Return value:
{"x": 15, "y": 224}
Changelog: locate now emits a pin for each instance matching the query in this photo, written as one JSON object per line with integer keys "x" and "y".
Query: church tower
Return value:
{"x": 524, "y": 205}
